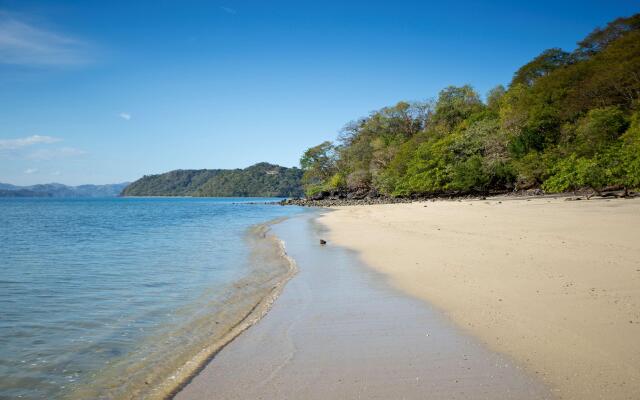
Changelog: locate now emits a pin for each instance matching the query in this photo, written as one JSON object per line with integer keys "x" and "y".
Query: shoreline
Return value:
{"x": 245, "y": 302}
{"x": 525, "y": 277}
{"x": 252, "y": 317}
{"x": 339, "y": 330}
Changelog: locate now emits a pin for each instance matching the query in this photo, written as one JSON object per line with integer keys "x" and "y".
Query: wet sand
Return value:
{"x": 554, "y": 284}
{"x": 340, "y": 331}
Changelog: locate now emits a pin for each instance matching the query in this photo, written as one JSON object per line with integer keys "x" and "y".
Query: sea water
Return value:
{"x": 111, "y": 298}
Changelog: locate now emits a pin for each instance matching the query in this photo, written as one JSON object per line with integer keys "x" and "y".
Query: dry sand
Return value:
{"x": 554, "y": 284}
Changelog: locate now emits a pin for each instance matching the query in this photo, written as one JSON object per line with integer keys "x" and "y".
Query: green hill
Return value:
{"x": 567, "y": 120}
{"x": 259, "y": 180}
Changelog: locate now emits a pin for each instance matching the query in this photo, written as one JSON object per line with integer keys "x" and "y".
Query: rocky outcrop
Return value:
{"x": 344, "y": 198}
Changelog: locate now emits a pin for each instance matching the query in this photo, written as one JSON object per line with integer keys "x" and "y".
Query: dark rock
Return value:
{"x": 367, "y": 196}
{"x": 358, "y": 194}
{"x": 319, "y": 196}
{"x": 323, "y": 242}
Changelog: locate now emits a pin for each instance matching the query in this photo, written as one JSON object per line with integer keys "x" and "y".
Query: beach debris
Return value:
{"x": 323, "y": 242}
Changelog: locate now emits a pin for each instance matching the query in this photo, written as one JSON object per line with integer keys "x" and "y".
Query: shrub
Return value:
{"x": 598, "y": 128}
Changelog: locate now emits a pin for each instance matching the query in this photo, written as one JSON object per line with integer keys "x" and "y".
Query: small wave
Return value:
{"x": 166, "y": 362}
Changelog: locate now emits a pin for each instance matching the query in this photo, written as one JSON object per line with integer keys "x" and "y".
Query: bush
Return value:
{"x": 469, "y": 175}
{"x": 576, "y": 172}
{"x": 598, "y": 128}
{"x": 564, "y": 176}
{"x": 337, "y": 181}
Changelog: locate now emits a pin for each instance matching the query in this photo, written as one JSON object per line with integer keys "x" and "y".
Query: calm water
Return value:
{"x": 101, "y": 296}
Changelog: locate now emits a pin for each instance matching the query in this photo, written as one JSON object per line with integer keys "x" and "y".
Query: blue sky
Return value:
{"x": 108, "y": 91}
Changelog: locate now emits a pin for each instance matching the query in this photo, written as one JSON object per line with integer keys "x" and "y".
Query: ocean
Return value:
{"x": 127, "y": 297}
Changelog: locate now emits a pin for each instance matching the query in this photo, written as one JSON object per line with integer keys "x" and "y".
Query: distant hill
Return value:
{"x": 60, "y": 190}
{"x": 6, "y": 186}
{"x": 21, "y": 193}
{"x": 259, "y": 180}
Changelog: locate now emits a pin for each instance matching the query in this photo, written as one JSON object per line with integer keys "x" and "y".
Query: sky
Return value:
{"x": 108, "y": 91}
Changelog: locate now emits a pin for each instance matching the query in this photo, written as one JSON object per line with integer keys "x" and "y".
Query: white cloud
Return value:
{"x": 60, "y": 152}
{"x": 125, "y": 116}
{"x": 24, "y": 44}
{"x": 30, "y": 171}
{"x": 22, "y": 148}
{"x": 228, "y": 10}
{"x": 12, "y": 144}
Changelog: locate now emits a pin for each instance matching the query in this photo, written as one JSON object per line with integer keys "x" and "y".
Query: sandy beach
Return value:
{"x": 340, "y": 331}
{"x": 553, "y": 284}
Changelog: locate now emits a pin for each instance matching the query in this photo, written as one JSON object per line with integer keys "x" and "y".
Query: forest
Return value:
{"x": 566, "y": 121}
{"x": 259, "y": 180}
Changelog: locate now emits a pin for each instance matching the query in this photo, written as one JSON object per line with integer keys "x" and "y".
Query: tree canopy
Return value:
{"x": 259, "y": 180}
{"x": 567, "y": 120}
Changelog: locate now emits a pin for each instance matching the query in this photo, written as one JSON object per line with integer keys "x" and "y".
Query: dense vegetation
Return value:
{"x": 567, "y": 120}
{"x": 259, "y": 180}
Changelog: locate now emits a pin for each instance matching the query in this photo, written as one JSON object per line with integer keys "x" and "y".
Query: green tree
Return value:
{"x": 599, "y": 38}
{"x": 562, "y": 124}
{"x": 494, "y": 97}
{"x": 548, "y": 61}
{"x": 598, "y": 128}
{"x": 628, "y": 157}
{"x": 318, "y": 165}
{"x": 454, "y": 105}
